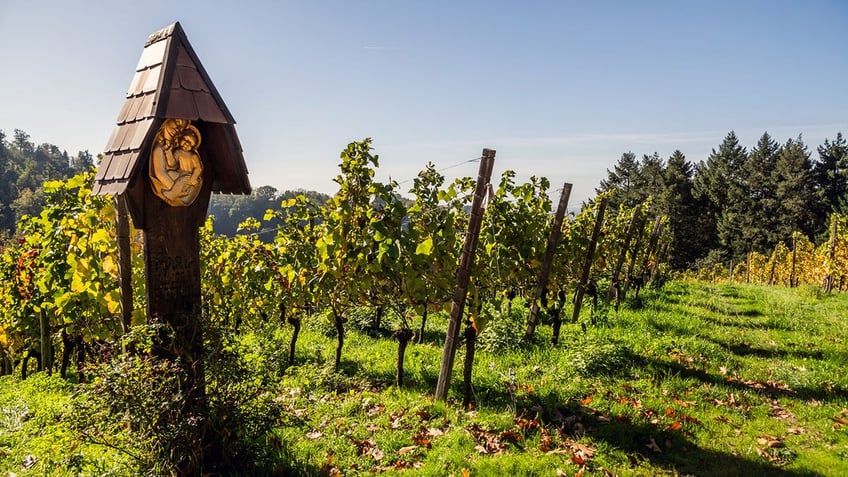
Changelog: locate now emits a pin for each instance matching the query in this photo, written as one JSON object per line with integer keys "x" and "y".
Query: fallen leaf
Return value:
{"x": 314, "y": 435}
{"x": 586, "y": 400}
{"x": 511, "y": 436}
{"x": 840, "y": 420}
{"x": 770, "y": 441}
{"x": 406, "y": 450}
{"x": 375, "y": 410}
{"x": 675, "y": 426}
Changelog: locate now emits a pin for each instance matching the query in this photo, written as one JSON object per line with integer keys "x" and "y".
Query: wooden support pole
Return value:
{"x": 614, "y": 288}
{"x": 652, "y": 244}
{"x": 628, "y": 276}
{"x": 463, "y": 274}
{"x": 590, "y": 256}
{"x": 544, "y": 274}
{"x": 122, "y": 235}
{"x": 792, "y": 278}
{"x": 831, "y": 254}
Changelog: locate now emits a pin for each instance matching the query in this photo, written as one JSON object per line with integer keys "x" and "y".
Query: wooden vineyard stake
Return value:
{"x": 792, "y": 278}
{"x": 831, "y": 254}
{"x": 631, "y": 265}
{"x": 587, "y": 263}
{"x": 174, "y": 144}
{"x": 652, "y": 245}
{"x": 615, "y": 285}
{"x": 463, "y": 274}
{"x": 544, "y": 274}
{"x": 122, "y": 236}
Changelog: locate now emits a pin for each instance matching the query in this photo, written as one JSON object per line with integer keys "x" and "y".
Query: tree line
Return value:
{"x": 737, "y": 201}
{"x": 24, "y": 167}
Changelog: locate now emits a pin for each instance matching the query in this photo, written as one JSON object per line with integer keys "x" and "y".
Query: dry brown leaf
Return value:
{"x": 841, "y": 421}
{"x": 406, "y": 450}
{"x": 314, "y": 435}
{"x": 770, "y": 441}
{"x": 683, "y": 403}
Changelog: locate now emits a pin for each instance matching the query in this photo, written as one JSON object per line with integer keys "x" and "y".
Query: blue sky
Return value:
{"x": 559, "y": 88}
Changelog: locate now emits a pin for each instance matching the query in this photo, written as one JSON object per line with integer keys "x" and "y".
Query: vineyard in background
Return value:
{"x": 367, "y": 247}
{"x": 800, "y": 263}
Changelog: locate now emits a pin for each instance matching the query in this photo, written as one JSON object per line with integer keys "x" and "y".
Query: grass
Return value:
{"x": 695, "y": 379}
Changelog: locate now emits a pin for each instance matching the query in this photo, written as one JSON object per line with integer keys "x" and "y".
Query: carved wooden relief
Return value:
{"x": 176, "y": 170}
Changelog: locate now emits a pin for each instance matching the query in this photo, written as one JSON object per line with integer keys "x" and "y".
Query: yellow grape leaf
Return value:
{"x": 109, "y": 265}
{"x": 113, "y": 301}
{"x": 425, "y": 247}
{"x": 101, "y": 235}
{"x": 78, "y": 285}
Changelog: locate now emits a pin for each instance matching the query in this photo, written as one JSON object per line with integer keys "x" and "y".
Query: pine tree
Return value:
{"x": 720, "y": 183}
{"x": 795, "y": 191}
{"x": 830, "y": 173}
{"x": 623, "y": 179}
{"x": 678, "y": 203}
{"x": 649, "y": 179}
{"x": 761, "y": 212}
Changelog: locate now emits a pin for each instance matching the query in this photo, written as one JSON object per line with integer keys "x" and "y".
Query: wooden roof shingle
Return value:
{"x": 170, "y": 82}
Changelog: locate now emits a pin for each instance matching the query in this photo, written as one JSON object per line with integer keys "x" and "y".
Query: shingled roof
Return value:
{"x": 170, "y": 82}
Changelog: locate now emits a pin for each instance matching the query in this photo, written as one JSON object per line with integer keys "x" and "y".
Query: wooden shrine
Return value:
{"x": 174, "y": 144}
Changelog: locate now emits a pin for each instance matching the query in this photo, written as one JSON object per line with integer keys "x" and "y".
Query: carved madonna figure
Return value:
{"x": 175, "y": 165}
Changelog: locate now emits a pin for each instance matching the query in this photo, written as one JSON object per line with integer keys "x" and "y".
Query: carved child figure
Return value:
{"x": 175, "y": 165}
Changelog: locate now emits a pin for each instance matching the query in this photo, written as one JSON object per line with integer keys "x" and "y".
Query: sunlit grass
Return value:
{"x": 706, "y": 380}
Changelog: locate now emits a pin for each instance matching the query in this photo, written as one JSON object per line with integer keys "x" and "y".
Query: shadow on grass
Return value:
{"x": 674, "y": 451}
{"x": 744, "y": 349}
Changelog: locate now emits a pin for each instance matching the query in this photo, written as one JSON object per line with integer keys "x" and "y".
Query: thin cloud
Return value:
{"x": 381, "y": 48}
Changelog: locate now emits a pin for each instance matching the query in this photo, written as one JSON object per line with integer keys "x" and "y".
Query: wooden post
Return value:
{"x": 463, "y": 274}
{"x": 172, "y": 276}
{"x": 652, "y": 244}
{"x": 45, "y": 348}
{"x": 773, "y": 265}
{"x": 831, "y": 254}
{"x": 590, "y": 256}
{"x": 628, "y": 276}
{"x": 792, "y": 278}
{"x": 748, "y": 267}
{"x": 122, "y": 219}
{"x": 544, "y": 274}
{"x": 631, "y": 229}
